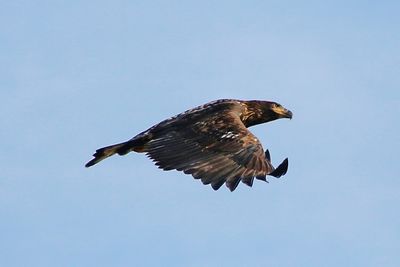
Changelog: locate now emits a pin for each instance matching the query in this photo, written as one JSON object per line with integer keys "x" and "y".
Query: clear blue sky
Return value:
{"x": 78, "y": 75}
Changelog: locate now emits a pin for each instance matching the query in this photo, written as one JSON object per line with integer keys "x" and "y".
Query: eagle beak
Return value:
{"x": 288, "y": 114}
{"x": 283, "y": 112}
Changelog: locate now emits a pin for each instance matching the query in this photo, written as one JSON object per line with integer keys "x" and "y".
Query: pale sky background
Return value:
{"x": 79, "y": 75}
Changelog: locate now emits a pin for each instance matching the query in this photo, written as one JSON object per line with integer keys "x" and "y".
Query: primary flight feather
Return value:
{"x": 211, "y": 142}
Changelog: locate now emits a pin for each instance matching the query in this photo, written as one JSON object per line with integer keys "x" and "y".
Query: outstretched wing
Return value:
{"x": 216, "y": 149}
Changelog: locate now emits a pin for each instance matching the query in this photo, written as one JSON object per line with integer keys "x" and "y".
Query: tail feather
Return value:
{"x": 136, "y": 145}
{"x": 103, "y": 153}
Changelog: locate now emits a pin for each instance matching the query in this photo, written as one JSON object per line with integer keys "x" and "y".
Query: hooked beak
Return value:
{"x": 283, "y": 112}
{"x": 288, "y": 114}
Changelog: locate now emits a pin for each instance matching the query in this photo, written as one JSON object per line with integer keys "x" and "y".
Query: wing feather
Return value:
{"x": 216, "y": 150}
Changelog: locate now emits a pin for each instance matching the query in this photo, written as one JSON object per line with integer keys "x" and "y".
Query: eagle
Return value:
{"x": 211, "y": 142}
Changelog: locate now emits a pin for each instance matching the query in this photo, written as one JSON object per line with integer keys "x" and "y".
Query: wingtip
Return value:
{"x": 232, "y": 184}
{"x": 281, "y": 169}
{"x": 90, "y": 163}
{"x": 262, "y": 178}
{"x": 248, "y": 181}
{"x": 267, "y": 155}
{"x": 217, "y": 185}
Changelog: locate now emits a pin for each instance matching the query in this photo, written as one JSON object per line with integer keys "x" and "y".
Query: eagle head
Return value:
{"x": 257, "y": 112}
{"x": 273, "y": 111}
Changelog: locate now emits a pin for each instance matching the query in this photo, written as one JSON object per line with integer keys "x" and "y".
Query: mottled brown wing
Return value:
{"x": 215, "y": 149}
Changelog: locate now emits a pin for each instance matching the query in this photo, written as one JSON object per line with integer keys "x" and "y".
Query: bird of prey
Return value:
{"x": 211, "y": 142}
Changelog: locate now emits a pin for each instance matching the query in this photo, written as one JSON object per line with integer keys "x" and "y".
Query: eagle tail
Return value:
{"x": 120, "y": 149}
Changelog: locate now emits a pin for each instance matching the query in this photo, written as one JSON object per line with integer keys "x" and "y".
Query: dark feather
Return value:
{"x": 267, "y": 155}
{"x": 281, "y": 170}
{"x": 232, "y": 183}
{"x": 210, "y": 142}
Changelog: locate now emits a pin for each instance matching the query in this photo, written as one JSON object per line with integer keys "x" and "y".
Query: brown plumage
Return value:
{"x": 210, "y": 142}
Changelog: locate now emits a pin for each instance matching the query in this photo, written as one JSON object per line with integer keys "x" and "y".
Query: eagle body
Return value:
{"x": 211, "y": 142}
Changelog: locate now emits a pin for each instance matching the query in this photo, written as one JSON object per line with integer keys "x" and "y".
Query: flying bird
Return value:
{"x": 211, "y": 142}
